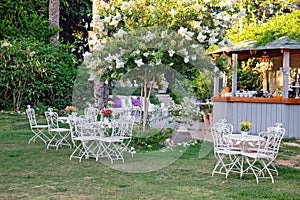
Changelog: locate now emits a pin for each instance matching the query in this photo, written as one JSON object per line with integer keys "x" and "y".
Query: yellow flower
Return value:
{"x": 245, "y": 126}
{"x": 110, "y": 103}
{"x": 70, "y": 109}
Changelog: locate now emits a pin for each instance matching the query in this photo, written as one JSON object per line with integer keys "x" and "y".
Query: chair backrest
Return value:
{"x": 31, "y": 116}
{"x": 52, "y": 119}
{"x": 73, "y": 126}
{"x": 91, "y": 113}
{"x": 123, "y": 127}
{"x": 221, "y": 132}
{"x": 272, "y": 139}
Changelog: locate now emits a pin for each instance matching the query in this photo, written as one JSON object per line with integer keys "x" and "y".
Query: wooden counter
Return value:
{"x": 261, "y": 112}
{"x": 257, "y": 100}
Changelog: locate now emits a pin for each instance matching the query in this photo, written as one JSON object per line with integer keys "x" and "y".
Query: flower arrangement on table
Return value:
{"x": 110, "y": 104}
{"x": 70, "y": 109}
{"x": 106, "y": 113}
{"x": 245, "y": 126}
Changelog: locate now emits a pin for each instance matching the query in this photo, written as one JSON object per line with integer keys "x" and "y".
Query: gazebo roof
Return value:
{"x": 247, "y": 49}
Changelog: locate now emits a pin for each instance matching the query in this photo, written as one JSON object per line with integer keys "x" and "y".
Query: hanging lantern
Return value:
{"x": 264, "y": 64}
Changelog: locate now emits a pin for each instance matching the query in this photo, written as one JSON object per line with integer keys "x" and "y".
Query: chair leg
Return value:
{"x": 265, "y": 167}
{"x": 234, "y": 163}
{"x": 252, "y": 168}
{"x": 38, "y": 133}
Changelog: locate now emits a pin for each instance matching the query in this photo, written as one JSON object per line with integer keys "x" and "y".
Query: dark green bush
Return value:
{"x": 34, "y": 72}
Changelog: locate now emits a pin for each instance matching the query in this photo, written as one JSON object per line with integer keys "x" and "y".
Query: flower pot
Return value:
{"x": 205, "y": 119}
{"x": 106, "y": 120}
{"x": 244, "y": 133}
{"x": 210, "y": 118}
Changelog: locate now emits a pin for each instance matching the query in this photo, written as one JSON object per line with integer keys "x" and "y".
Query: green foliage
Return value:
{"x": 31, "y": 71}
{"x": 24, "y": 19}
{"x": 248, "y": 78}
{"x": 202, "y": 86}
{"x": 150, "y": 139}
{"x": 29, "y": 18}
{"x": 75, "y": 21}
{"x": 282, "y": 25}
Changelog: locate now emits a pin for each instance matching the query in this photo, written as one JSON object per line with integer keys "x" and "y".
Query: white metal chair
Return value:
{"x": 84, "y": 142}
{"x": 114, "y": 145}
{"x": 37, "y": 129}
{"x": 227, "y": 156}
{"x": 261, "y": 161}
{"x": 91, "y": 114}
{"x": 59, "y": 135}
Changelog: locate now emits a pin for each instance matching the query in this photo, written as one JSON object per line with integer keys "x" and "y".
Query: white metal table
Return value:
{"x": 245, "y": 143}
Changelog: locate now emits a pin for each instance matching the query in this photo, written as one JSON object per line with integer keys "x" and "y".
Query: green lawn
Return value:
{"x": 30, "y": 171}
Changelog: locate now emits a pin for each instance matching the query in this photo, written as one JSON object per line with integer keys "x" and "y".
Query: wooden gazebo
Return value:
{"x": 262, "y": 112}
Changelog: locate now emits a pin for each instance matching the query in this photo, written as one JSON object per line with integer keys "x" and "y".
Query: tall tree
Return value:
{"x": 54, "y": 18}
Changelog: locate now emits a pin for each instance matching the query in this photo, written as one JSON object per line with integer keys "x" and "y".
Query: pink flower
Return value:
{"x": 31, "y": 53}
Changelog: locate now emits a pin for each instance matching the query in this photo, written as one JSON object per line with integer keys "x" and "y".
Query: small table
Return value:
{"x": 244, "y": 142}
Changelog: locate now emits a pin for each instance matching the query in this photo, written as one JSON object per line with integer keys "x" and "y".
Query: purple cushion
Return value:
{"x": 135, "y": 102}
{"x": 118, "y": 103}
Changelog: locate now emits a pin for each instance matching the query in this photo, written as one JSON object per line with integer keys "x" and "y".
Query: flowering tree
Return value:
{"x": 176, "y": 34}
{"x": 205, "y": 20}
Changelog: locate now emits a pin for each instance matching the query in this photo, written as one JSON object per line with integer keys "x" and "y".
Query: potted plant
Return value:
{"x": 69, "y": 110}
{"x": 207, "y": 116}
{"x": 107, "y": 114}
{"x": 245, "y": 127}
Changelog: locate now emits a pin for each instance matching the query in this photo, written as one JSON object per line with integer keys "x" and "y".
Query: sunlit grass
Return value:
{"x": 30, "y": 171}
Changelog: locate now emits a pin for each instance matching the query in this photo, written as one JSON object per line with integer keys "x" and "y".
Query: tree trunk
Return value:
{"x": 54, "y": 18}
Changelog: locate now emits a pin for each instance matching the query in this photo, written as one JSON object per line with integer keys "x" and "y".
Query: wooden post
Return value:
{"x": 234, "y": 73}
{"x": 216, "y": 83}
{"x": 285, "y": 70}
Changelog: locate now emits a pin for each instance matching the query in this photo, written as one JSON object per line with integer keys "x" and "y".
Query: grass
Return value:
{"x": 30, "y": 171}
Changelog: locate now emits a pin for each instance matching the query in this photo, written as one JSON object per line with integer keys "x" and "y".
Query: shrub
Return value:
{"x": 36, "y": 73}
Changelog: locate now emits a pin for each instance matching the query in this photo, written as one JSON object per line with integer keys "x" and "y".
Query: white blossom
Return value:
{"x": 109, "y": 58}
{"x": 105, "y": 5}
{"x": 186, "y": 59}
{"x": 98, "y": 47}
{"x": 87, "y": 55}
{"x": 184, "y": 52}
{"x": 194, "y": 46}
{"x": 150, "y": 36}
{"x": 136, "y": 52}
{"x": 227, "y": 17}
{"x": 171, "y": 53}
{"x": 185, "y": 33}
{"x": 201, "y": 37}
{"x": 116, "y": 19}
{"x": 172, "y": 12}
{"x": 120, "y": 33}
{"x": 119, "y": 64}
{"x": 164, "y": 34}
{"x": 107, "y": 19}
{"x": 139, "y": 62}
{"x": 158, "y": 62}
{"x": 125, "y": 6}
{"x": 146, "y": 54}
{"x": 212, "y": 41}
{"x": 197, "y": 25}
